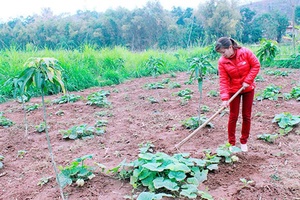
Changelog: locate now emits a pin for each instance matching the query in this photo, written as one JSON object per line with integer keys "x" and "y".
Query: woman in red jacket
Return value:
{"x": 238, "y": 67}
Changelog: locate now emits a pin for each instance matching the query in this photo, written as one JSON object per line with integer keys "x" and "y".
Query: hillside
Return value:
{"x": 269, "y": 6}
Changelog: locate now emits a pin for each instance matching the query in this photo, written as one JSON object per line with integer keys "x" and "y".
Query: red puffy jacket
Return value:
{"x": 233, "y": 74}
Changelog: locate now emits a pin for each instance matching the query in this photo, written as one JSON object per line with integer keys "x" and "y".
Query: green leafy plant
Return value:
{"x": 295, "y": 93}
{"x": 44, "y": 180}
{"x": 154, "y": 65}
{"x": 267, "y": 51}
{"x": 44, "y": 74}
{"x": 101, "y": 123}
{"x": 99, "y": 99}
{"x": 276, "y": 73}
{"x": 152, "y": 100}
{"x": 1, "y": 159}
{"x": 227, "y": 153}
{"x": 77, "y": 172}
{"x": 165, "y": 81}
{"x": 165, "y": 175}
{"x": 68, "y": 98}
{"x": 21, "y": 153}
{"x": 22, "y": 96}
{"x": 246, "y": 182}
{"x": 286, "y": 121}
{"x": 199, "y": 68}
{"x": 287, "y": 96}
{"x": 33, "y": 107}
{"x": 4, "y": 121}
{"x": 186, "y": 93}
{"x": 41, "y": 127}
{"x": 268, "y": 137}
{"x": 271, "y": 92}
{"x": 156, "y": 85}
{"x": 204, "y": 109}
{"x": 259, "y": 78}
{"x": 213, "y": 93}
{"x": 275, "y": 177}
{"x": 81, "y": 132}
{"x": 193, "y": 122}
{"x": 174, "y": 85}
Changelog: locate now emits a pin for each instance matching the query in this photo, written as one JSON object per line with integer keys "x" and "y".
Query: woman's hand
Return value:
{"x": 245, "y": 85}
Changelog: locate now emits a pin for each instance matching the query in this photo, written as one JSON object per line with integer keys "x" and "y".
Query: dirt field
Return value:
{"x": 274, "y": 168}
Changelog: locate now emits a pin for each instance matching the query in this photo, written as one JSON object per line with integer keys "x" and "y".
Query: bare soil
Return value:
{"x": 133, "y": 120}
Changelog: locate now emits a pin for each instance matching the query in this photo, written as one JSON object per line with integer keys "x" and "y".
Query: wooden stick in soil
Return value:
{"x": 177, "y": 146}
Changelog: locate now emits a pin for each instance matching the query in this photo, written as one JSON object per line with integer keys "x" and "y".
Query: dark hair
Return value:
{"x": 225, "y": 42}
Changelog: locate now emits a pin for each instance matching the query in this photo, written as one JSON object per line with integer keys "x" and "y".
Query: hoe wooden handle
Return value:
{"x": 177, "y": 146}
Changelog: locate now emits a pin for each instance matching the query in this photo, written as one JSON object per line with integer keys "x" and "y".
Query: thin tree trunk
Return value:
{"x": 50, "y": 148}
{"x": 25, "y": 117}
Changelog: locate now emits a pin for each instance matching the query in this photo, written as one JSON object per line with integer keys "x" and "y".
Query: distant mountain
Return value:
{"x": 266, "y": 6}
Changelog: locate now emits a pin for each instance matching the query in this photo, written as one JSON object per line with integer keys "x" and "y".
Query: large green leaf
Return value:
{"x": 153, "y": 166}
{"x": 26, "y": 78}
{"x": 146, "y": 156}
{"x": 199, "y": 162}
{"x": 64, "y": 180}
{"x": 178, "y": 175}
{"x": 189, "y": 190}
{"x": 160, "y": 182}
{"x": 200, "y": 175}
{"x": 152, "y": 196}
{"x": 148, "y": 182}
{"x": 178, "y": 167}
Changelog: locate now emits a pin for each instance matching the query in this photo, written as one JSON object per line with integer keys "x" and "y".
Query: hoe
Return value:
{"x": 177, "y": 146}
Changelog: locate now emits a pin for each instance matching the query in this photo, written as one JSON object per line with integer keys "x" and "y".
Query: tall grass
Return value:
{"x": 88, "y": 67}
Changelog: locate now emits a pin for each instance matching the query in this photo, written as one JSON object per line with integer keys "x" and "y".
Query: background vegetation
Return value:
{"x": 97, "y": 49}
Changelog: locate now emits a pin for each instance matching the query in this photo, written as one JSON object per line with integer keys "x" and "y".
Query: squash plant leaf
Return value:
{"x": 64, "y": 180}
{"x": 160, "y": 182}
{"x": 178, "y": 167}
{"x": 153, "y": 167}
{"x": 190, "y": 191}
{"x": 152, "y": 196}
{"x": 179, "y": 176}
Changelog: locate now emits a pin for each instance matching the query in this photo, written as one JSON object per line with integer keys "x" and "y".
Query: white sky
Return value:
{"x": 16, "y": 8}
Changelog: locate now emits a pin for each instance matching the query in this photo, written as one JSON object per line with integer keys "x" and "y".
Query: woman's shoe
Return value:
{"x": 244, "y": 147}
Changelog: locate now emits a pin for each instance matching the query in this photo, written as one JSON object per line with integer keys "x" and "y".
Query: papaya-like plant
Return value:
{"x": 199, "y": 67}
{"x": 42, "y": 73}
{"x": 267, "y": 51}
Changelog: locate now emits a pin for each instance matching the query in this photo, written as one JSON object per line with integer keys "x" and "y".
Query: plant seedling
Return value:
{"x": 246, "y": 182}
{"x": 77, "y": 172}
{"x": 174, "y": 85}
{"x": 286, "y": 121}
{"x": 194, "y": 122}
{"x": 21, "y": 153}
{"x": 44, "y": 180}
{"x": 271, "y": 92}
{"x": 153, "y": 86}
{"x": 4, "y": 121}
{"x": 67, "y": 98}
{"x": 268, "y": 137}
{"x": 99, "y": 99}
{"x": 83, "y": 131}
{"x": 32, "y": 107}
{"x": 101, "y": 123}
{"x": 153, "y": 100}
{"x": 212, "y": 93}
{"x": 41, "y": 127}
{"x": 204, "y": 108}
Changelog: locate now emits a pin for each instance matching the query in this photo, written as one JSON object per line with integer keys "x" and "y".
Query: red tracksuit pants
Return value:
{"x": 234, "y": 106}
